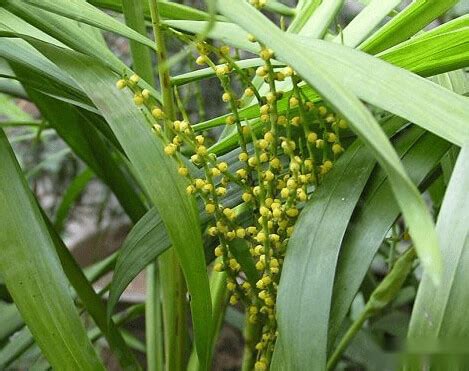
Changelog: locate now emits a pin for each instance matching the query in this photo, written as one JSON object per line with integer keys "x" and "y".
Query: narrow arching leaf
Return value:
{"x": 72, "y": 192}
{"x": 18, "y": 344}
{"x": 429, "y": 55}
{"x": 406, "y": 24}
{"x": 315, "y": 244}
{"x": 304, "y": 11}
{"x": 10, "y": 320}
{"x": 437, "y": 311}
{"x": 167, "y": 9}
{"x": 33, "y": 274}
{"x": 156, "y": 173}
{"x": 373, "y": 219}
{"x": 65, "y": 30}
{"x": 366, "y": 21}
{"x": 318, "y": 23}
{"x": 400, "y": 92}
{"x": 83, "y": 12}
{"x": 92, "y": 302}
{"x": 147, "y": 240}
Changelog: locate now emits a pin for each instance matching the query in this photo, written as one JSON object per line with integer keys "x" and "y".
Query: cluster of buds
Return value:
{"x": 284, "y": 154}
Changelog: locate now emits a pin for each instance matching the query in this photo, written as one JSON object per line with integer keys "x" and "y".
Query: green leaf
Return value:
{"x": 366, "y": 21}
{"x": 406, "y": 24}
{"x": 437, "y": 312}
{"x": 168, "y": 10}
{"x": 73, "y": 191}
{"x": 240, "y": 250}
{"x": 83, "y": 12}
{"x": 92, "y": 302}
{"x": 92, "y": 140}
{"x": 33, "y": 274}
{"x": 305, "y": 9}
{"x": 10, "y": 320}
{"x": 399, "y": 92}
{"x": 315, "y": 244}
{"x": 373, "y": 219}
{"x": 146, "y": 241}
{"x": 156, "y": 173}
{"x": 432, "y": 54}
{"x": 318, "y": 23}
{"x": 65, "y": 30}
{"x": 18, "y": 344}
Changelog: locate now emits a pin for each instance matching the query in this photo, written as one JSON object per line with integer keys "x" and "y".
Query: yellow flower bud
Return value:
{"x": 138, "y": 99}
{"x": 243, "y": 157}
{"x": 190, "y": 190}
{"x": 146, "y": 93}
{"x": 218, "y": 267}
{"x": 210, "y": 208}
{"x": 121, "y": 84}
{"x": 221, "y": 191}
{"x": 219, "y": 251}
{"x": 240, "y": 233}
{"x": 337, "y": 149}
{"x": 233, "y": 300}
{"x": 222, "y": 166}
{"x": 264, "y": 157}
{"x": 170, "y": 149}
{"x": 134, "y": 79}
{"x": 246, "y": 197}
{"x": 201, "y": 60}
{"x": 292, "y": 212}
{"x": 226, "y": 97}
{"x": 183, "y": 171}
{"x": 312, "y": 137}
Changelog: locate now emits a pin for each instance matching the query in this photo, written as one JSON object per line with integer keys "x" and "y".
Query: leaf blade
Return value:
{"x": 34, "y": 277}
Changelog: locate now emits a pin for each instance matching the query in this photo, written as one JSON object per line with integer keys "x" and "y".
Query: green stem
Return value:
{"x": 134, "y": 18}
{"x": 379, "y": 299}
{"x": 153, "y": 322}
{"x": 21, "y": 123}
{"x": 251, "y": 333}
{"x": 141, "y": 57}
{"x": 165, "y": 80}
{"x": 219, "y": 300}
{"x": 172, "y": 280}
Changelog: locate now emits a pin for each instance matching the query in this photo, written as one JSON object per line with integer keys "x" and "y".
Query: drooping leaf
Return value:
{"x": 437, "y": 311}
{"x": 305, "y": 289}
{"x": 318, "y": 23}
{"x": 373, "y": 219}
{"x": 147, "y": 240}
{"x": 83, "y": 12}
{"x": 406, "y": 24}
{"x": 366, "y": 21}
{"x": 400, "y": 92}
{"x": 155, "y": 172}
{"x": 168, "y": 10}
{"x": 72, "y": 192}
{"x": 33, "y": 275}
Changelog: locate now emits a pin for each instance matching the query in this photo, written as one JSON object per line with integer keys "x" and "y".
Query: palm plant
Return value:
{"x": 333, "y": 142}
